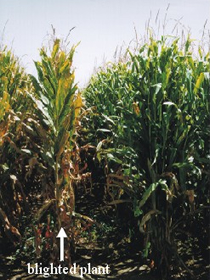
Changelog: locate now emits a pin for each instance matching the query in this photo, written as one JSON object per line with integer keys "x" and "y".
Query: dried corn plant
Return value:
{"x": 16, "y": 113}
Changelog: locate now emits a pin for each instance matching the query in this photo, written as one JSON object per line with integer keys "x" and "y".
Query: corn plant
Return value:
{"x": 16, "y": 113}
{"x": 149, "y": 121}
{"x": 57, "y": 103}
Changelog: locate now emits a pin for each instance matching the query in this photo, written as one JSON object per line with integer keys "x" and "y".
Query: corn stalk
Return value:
{"x": 151, "y": 125}
{"x": 58, "y": 103}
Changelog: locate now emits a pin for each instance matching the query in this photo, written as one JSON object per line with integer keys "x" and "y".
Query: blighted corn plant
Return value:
{"x": 57, "y": 103}
{"x": 149, "y": 122}
{"x": 40, "y": 161}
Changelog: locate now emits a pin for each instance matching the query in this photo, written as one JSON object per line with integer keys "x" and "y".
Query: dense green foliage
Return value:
{"x": 149, "y": 121}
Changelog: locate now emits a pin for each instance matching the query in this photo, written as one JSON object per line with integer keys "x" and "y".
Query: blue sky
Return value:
{"x": 101, "y": 26}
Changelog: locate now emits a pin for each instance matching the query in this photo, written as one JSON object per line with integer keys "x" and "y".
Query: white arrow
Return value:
{"x": 61, "y": 235}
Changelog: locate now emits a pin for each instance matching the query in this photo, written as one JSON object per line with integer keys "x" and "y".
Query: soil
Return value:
{"x": 117, "y": 250}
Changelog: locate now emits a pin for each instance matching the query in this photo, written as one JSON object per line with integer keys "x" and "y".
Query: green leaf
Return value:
{"x": 67, "y": 105}
{"x": 149, "y": 191}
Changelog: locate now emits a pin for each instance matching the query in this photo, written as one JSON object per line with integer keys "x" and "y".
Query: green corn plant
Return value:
{"x": 149, "y": 121}
{"x": 57, "y": 103}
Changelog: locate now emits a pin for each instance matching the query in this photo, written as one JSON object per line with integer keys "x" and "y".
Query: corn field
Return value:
{"x": 128, "y": 154}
